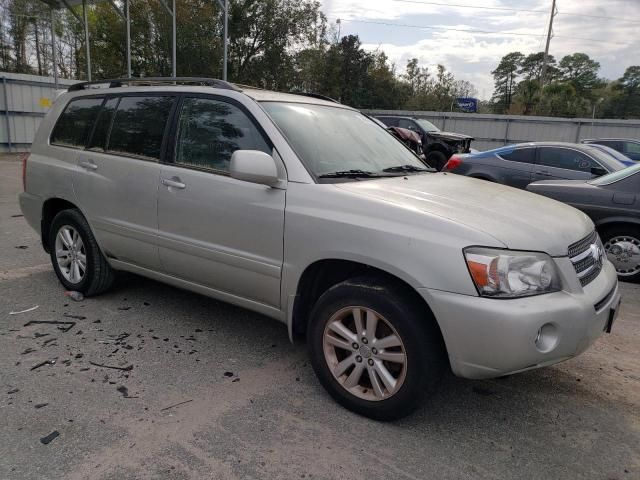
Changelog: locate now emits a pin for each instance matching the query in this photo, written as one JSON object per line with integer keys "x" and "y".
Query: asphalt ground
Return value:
{"x": 209, "y": 390}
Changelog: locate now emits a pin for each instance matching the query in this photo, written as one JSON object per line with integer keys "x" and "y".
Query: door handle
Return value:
{"x": 543, "y": 172}
{"x": 88, "y": 164}
{"x": 173, "y": 182}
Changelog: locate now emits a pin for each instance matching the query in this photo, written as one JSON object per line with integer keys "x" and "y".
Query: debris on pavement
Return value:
{"x": 176, "y": 405}
{"x": 25, "y": 311}
{"x": 40, "y": 405}
{"x": 21, "y": 247}
{"x": 75, "y": 296}
{"x": 124, "y": 369}
{"x": 11, "y": 392}
{"x": 75, "y": 317}
{"x": 42, "y": 364}
{"x": 228, "y": 374}
{"x": 69, "y": 326}
{"x": 49, "y": 438}
{"x": 123, "y": 390}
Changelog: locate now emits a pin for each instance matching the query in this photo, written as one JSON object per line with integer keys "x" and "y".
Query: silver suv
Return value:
{"x": 309, "y": 212}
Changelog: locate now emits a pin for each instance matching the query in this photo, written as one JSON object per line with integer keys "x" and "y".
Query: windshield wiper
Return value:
{"x": 349, "y": 173}
{"x": 406, "y": 168}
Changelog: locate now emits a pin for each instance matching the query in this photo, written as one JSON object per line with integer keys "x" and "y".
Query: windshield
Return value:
{"x": 333, "y": 139}
{"x": 616, "y": 176}
{"x": 426, "y": 125}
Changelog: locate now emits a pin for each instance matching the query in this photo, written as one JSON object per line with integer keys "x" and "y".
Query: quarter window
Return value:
{"x": 522, "y": 155}
{"x": 76, "y": 122}
{"x": 139, "y": 124}
{"x": 210, "y": 131}
{"x": 566, "y": 158}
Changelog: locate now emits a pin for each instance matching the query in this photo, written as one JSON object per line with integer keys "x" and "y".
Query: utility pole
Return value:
{"x": 554, "y": 12}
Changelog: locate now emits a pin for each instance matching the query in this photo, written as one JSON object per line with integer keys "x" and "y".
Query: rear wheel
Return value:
{"x": 622, "y": 244}
{"x": 76, "y": 258}
{"x": 373, "y": 350}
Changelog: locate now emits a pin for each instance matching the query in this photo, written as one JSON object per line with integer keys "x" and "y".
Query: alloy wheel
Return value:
{"x": 365, "y": 353}
{"x": 624, "y": 252}
{"x": 70, "y": 254}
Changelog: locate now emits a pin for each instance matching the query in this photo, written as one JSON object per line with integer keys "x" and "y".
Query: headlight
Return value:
{"x": 508, "y": 274}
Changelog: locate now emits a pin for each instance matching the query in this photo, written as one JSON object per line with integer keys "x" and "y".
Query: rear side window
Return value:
{"x": 389, "y": 121}
{"x": 99, "y": 138}
{"x": 566, "y": 158}
{"x": 522, "y": 155}
{"x": 76, "y": 122}
{"x": 616, "y": 145}
{"x": 209, "y": 131}
{"x": 631, "y": 147}
{"x": 410, "y": 124}
{"x": 138, "y": 126}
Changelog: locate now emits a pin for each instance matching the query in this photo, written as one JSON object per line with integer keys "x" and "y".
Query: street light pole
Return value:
{"x": 127, "y": 19}
{"x": 53, "y": 51}
{"x": 173, "y": 50}
{"x": 226, "y": 39}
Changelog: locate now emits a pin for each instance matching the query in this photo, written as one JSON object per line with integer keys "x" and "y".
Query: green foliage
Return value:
{"x": 572, "y": 88}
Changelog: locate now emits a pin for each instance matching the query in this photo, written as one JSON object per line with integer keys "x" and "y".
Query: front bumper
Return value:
{"x": 489, "y": 337}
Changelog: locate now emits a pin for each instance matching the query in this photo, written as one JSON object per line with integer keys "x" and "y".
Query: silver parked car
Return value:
{"x": 308, "y": 212}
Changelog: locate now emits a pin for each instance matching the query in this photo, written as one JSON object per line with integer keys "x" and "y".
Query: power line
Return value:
{"x": 507, "y": 9}
{"x": 471, "y": 30}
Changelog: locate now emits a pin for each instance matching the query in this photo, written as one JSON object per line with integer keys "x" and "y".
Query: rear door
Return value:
{"x": 561, "y": 163}
{"x": 117, "y": 183}
{"x": 516, "y": 167}
{"x": 215, "y": 230}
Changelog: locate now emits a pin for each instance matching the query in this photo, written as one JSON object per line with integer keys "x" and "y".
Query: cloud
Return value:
{"x": 471, "y": 56}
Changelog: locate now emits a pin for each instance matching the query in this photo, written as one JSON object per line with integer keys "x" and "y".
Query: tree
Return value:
{"x": 504, "y": 77}
{"x": 581, "y": 72}
{"x": 531, "y": 67}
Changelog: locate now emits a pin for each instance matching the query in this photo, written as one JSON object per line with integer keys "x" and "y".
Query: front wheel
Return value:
{"x": 76, "y": 258}
{"x": 622, "y": 244}
{"x": 374, "y": 349}
{"x": 437, "y": 159}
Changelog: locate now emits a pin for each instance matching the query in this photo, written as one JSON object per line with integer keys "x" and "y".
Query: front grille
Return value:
{"x": 587, "y": 256}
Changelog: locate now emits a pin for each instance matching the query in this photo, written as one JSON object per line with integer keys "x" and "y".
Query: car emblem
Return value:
{"x": 597, "y": 253}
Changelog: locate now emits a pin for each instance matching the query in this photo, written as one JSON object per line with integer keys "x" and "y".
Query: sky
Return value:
{"x": 579, "y": 27}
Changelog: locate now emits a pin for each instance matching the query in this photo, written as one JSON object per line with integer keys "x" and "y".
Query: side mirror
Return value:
{"x": 254, "y": 166}
{"x": 598, "y": 171}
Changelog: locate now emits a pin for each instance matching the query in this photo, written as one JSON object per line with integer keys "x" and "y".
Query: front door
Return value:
{"x": 214, "y": 230}
{"x": 117, "y": 183}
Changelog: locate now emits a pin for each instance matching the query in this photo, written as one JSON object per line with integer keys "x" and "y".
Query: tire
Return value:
{"x": 98, "y": 274}
{"x": 622, "y": 244}
{"x": 437, "y": 159}
{"x": 399, "y": 314}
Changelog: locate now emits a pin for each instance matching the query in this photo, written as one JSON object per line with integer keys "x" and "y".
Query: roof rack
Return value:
{"x": 316, "y": 95}
{"x": 120, "y": 82}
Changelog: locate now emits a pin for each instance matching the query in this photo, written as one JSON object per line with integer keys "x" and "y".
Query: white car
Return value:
{"x": 306, "y": 211}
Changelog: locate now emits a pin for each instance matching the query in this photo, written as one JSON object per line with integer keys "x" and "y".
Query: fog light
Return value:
{"x": 547, "y": 338}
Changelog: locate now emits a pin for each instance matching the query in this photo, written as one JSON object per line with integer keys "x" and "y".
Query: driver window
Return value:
{"x": 209, "y": 131}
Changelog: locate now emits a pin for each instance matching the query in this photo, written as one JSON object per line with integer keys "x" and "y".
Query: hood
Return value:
{"x": 450, "y": 136}
{"x": 519, "y": 220}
